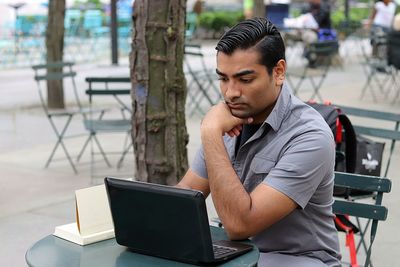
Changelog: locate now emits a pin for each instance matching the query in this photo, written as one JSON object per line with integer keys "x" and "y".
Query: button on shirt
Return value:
{"x": 294, "y": 152}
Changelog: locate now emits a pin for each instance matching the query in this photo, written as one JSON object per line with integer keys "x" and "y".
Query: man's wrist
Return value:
{"x": 208, "y": 130}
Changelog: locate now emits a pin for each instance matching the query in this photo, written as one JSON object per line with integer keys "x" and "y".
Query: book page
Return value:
{"x": 93, "y": 210}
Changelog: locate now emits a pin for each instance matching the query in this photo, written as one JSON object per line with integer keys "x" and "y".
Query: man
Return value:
{"x": 266, "y": 157}
{"x": 321, "y": 13}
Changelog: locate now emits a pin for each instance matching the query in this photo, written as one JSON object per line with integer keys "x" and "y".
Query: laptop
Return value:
{"x": 167, "y": 222}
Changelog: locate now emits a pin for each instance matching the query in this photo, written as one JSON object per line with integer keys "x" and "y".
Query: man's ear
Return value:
{"x": 279, "y": 72}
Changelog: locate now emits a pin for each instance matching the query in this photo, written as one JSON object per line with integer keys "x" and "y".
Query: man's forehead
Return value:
{"x": 239, "y": 59}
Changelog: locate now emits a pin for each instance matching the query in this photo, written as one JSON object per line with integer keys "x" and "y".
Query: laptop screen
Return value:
{"x": 159, "y": 220}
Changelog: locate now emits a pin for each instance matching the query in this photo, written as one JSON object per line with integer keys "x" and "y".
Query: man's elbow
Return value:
{"x": 237, "y": 231}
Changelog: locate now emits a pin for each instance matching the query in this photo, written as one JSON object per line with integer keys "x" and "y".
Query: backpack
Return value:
{"x": 327, "y": 35}
{"x": 345, "y": 139}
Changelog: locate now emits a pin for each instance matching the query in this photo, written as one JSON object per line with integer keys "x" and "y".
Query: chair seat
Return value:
{"x": 107, "y": 125}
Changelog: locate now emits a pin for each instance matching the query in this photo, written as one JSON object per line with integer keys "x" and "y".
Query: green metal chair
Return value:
{"x": 191, "y": 25}
{"x": 59, "y": 71}
{"x": 115, "y": 87}
{"x": 371, "y": 117}
{"x": 319, "y": 56}
{"x": 201, "y": 81}
{"x": 376, "y": 68}
{"x": 374, "y": 212}
{"x": 362, "y": 119}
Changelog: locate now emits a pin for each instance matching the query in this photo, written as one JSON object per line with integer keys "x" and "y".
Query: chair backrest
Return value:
{"x": 199, "y": 74}
{"x": 363, "y": 127}
{"x": 376, "y": 212}
{"x": 117, "y": 87}
{"x": 326, "y": 48}
{"x": 54, "y": 71}
{"x": 191, "y": 24}
{"x": 72, "y": 21}
{"x": 92, "y": 19}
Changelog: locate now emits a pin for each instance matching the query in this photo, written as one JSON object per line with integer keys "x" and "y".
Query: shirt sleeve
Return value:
{"x": 199, "y": 164}
{"x": 308, "y": 159}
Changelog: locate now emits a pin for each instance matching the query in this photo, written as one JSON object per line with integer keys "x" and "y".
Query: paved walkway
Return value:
{"x": 34, "y": 200}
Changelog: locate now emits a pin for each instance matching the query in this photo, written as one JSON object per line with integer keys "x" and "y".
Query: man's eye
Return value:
{"x": 246, "y": 80}
{"x": 223, "y": 79}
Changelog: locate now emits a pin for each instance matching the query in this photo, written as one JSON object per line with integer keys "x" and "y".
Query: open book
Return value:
{"x": 93, "y": 218}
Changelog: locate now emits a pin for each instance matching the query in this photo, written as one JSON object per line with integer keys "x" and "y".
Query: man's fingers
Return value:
{"x": 236, "y": 131}
{"x": 230, "y": 133}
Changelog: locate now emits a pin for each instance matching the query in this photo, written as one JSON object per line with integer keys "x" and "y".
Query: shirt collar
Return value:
{"x": 275, "y": 118}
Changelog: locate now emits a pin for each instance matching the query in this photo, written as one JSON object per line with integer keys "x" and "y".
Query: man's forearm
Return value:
{"x": 231, "y": 200}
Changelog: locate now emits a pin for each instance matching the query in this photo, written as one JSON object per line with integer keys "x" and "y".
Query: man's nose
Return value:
{"x": 232, "y": 91}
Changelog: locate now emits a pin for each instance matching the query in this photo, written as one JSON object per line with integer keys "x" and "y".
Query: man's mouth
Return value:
{"x": 235, "y": 105}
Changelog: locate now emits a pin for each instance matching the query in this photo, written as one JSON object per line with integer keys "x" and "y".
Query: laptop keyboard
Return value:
{"x": 220, "y": 251}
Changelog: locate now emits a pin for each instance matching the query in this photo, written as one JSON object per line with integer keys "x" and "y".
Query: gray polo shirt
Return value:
{"x": 294, "y": 152}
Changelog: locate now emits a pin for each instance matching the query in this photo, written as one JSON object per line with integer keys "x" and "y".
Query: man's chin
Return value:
{"x": 240, "y": 114}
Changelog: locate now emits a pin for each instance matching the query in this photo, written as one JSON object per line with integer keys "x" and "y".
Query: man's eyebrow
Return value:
{"x": 220, "y": 73}
{"x": 243, "y": 73}
{"x": 240, "y": 73}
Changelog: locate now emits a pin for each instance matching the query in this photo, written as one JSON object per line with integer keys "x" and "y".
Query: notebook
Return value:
{"x": 166, "y": 222}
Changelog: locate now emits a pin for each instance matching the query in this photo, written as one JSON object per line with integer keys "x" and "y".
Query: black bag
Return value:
{"x": 345, "y": 139}
{"x": 344, "y": 134}
{"x": 368, "y": 161}
{"x": 369, "y": 156}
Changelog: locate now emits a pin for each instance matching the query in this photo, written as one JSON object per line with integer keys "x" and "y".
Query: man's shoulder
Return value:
{"x": 307, "y": 118}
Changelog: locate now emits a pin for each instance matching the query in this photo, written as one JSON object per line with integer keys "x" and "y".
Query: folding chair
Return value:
{"x": 59, "y": 71}
{"x": 106, "y": 87}
{"x": 319, "y": 57}
{"x": 200, "y": 81}
{"x": 393, "y": 55}
{"x": 191, "y": 25}
{"x": 376, "y": 67}
{"x": 387, "y": 134}
{"x": 374, "y": 117}
{"x": 375, "y": 212}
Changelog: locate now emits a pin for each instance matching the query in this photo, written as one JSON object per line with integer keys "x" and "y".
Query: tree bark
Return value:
{"x": 54, "y": 49}
{"x": 159, "y": 91}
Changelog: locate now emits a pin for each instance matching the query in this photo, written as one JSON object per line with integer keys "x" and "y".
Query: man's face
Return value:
{"x": 246, "y": 86}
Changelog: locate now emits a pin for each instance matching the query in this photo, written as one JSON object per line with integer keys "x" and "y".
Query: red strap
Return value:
{"x": 352, "y": 249}
{"x": 339, "y": 134}
{"x": 350, "y": 243}
{"x": 342, "y": 226}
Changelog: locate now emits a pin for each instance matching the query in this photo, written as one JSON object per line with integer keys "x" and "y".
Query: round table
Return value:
{"x": 53, "y": 251}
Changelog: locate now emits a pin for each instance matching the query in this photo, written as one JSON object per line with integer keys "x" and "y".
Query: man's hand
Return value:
{"x": 220, "y": 119}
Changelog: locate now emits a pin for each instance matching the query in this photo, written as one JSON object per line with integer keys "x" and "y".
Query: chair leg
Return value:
{"x": 101, "y": 150}
{"x": 60, "y": 136}
{"x": 370, "y": 74}
{"x": 316, "y": 88}
{"x": 121, "y": 159}
{"x": 83, "y": 148}
{"x": 295, "y": 87}
{"x": 396, "y": 86}
{"x": 362, "y": 237}
{"x": 68, "y": 157}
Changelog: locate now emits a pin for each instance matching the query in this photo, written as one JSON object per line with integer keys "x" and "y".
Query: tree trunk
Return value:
{"x": 159, "y": 91}
{"x": 259, "y": 9}
{"x": 54, "y": 48}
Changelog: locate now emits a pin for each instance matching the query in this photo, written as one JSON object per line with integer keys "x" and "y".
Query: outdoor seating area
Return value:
{"x": 47, "y": 152}
{"x": 87, "y": 37}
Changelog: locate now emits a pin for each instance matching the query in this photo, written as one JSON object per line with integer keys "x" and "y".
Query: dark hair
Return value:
{"x": 259, "y": 33}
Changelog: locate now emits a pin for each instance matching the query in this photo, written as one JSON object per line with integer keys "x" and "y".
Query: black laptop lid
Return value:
{"x": 159, "y": 220}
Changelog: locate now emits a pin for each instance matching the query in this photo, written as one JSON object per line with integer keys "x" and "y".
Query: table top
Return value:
{"x": 54, "y": 251}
